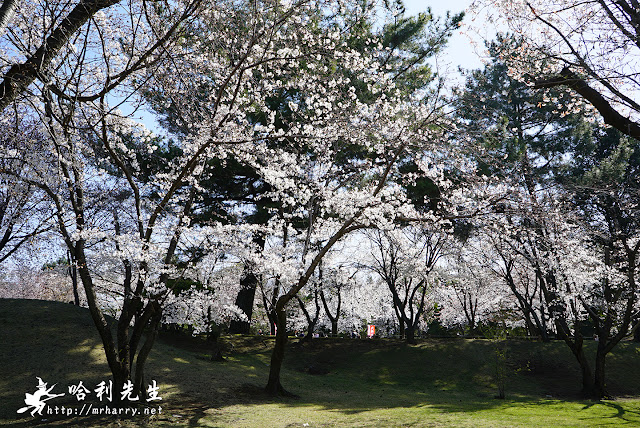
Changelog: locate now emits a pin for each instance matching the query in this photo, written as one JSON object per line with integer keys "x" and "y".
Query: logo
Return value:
{"x": 38, "y": 399}
{"x": 36, "y": 403}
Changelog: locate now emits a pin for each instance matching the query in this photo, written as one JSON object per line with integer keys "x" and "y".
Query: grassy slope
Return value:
{"x": 370, "y": 383}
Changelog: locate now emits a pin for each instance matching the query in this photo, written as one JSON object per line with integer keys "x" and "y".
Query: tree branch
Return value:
{"x": 610, "y": 115}
{"x": 20, "y": 76}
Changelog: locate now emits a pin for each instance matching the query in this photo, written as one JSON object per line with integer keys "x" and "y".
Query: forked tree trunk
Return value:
{"x": 311, "y": 322}
{"x": 587, "y": 375}
{"x": 145, "y": 350}
{"x": 332, "y": 319}
{"x": 127, "y": 356}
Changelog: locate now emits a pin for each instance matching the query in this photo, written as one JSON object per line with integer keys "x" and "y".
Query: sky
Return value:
{"x": 460, "y": 51}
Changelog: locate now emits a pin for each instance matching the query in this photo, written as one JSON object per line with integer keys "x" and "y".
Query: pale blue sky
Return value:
{"x": 459, "y": 52}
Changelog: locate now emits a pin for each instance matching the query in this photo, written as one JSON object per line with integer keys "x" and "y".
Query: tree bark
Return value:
{"x": 6, "y": 12}
{"x": 244, "y": 300}
{"x": 332, "y": 319}
{"x": 146, "y": 350}
{"x": 20, "y": 76}
{"x": 73, "y": 273}
{"x": 311, "y": 322}
{"x": 577, "y": 348}
{"x": 274, "y": 387}
{"x": 599, "y": 387}
{"x": 410, "y": 334}
{"x": 610, "y": 115}
{"x": 246, "y": 296}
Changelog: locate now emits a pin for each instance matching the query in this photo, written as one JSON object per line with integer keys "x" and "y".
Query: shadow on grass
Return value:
{"x": 629, "y": 415}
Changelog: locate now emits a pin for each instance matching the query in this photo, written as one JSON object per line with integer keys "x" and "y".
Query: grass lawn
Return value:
{"x": 439, "y": 382}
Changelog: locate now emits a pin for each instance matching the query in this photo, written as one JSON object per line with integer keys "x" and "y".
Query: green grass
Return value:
{"x": 374, "y": 383}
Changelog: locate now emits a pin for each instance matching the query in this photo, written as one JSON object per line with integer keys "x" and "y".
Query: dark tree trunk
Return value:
{"x": 635, "y": 330}
{"x": 599, "y": 387}
{"x": 535, "y": 323}
{"x": 334, "y": 320}
{"x": 585, "y": 371}
{"x": 410, "y": 334}
{"x": 6, "y": 12}
{"x": 248, "y": 285}
{"x": 334, "y": 328}
{"x": 20, "y": 76}
{"x": 311, "y": 322}
{"x": 213, "y": 336}
{"x": 610, "y": 115}
{"x": 577, "y": 348}
{"x": 244, "y": 300}
{"x": 274, "y": 387}
{"x": 145, "y": 350}
{"x": 273, "y": 322}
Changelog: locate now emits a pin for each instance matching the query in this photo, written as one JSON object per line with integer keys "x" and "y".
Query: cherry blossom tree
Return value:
{"x": 337, "y": 278}
{"x": 469, "y": 293}
{"x": 79, "y": 39}
{"x": 404, "y": 259}
{"x": 128, "y": 226}
{"x": 407, "y": 42}
{"x": 604, "y": 187}
{"x": 551, "y": 264}
{"x": 105, "y": 204}
{"x": 590, "y": 43}
{"x": 589, "y": 48}
{"x": 306, "y": 96}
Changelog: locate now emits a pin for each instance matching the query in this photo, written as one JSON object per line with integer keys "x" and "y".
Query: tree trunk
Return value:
{"x": 246, "y": 295}
{"x": 144, "y": 352}
{"x": 311, "y": 322}
{"x": 20, "y": 76}
{"x": 273, "y": 322}
{"x": 599, "y": 387}
{"x": 244, "y": 300}
{"x": 410, "y": 335}
{"x": 332, "y": 319}
{"x": 213, "y": 336}
{"x": 577, "y": 348}
{"x": 73, "y": 273}
{"x": 274, "y": 387}
{"x": 6, "y": 12}
{"x": 585, "y": 370}
{"x": 402, "y": 330}
{"x": 635, "y": 330}
{"x": 609, "y": 114}
{"x": 314, "y": 321}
